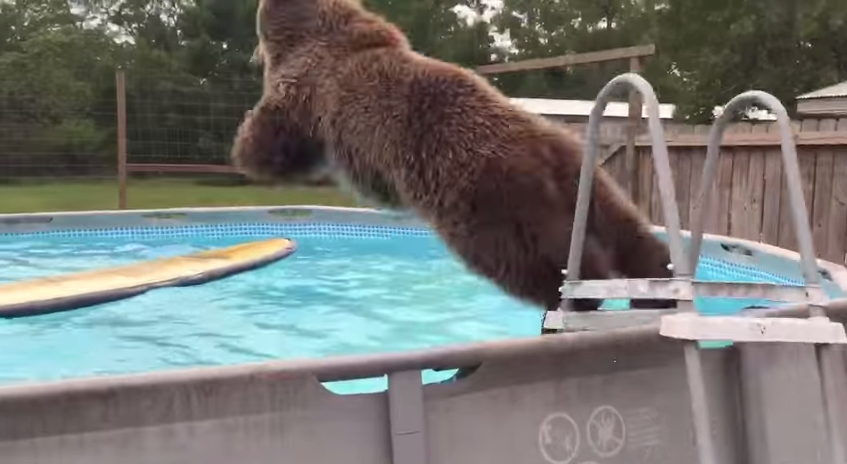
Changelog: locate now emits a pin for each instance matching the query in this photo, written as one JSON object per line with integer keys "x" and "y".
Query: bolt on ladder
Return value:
{"x": 685, "y": 324}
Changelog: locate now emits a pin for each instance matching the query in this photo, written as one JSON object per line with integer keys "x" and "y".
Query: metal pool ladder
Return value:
{"x": 771, "y": 349}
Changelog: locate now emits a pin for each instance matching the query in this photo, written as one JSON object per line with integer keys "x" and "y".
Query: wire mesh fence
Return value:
{"x": 112, "y": 140}
{"x": 60, "y": 145}
{"x": 72, "y": 133}
{"x": 124, "y": 131}
{"x": 184, "y": 121}
{"x": 54, "y": 129}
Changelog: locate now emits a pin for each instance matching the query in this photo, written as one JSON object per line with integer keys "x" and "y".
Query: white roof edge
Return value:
{"x": 557, "y": 107}
{"x": 833, "y": 91}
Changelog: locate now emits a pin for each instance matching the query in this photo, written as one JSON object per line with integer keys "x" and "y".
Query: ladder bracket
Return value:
{"x": 681, "y": 289}
{"x": 590, "y": 321}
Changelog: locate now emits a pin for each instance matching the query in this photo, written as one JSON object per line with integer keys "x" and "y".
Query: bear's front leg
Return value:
{"x": 271, "y": 145}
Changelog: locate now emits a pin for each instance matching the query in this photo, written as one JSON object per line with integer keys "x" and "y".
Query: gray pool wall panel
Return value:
{"x": 611, "y": 397}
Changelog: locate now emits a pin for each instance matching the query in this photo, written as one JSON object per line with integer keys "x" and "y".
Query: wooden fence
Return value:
{"x": 748, "y": 192}
{"x": 748, "y": 196}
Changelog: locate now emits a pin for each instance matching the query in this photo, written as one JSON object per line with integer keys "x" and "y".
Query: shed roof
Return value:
{"x": 555, "y": 107}
{"x": 833, "y": 91}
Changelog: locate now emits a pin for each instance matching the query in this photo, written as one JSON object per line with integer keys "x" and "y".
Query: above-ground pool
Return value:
{"x": 360, "y": 282}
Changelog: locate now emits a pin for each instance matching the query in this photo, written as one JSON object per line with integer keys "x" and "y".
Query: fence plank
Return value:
{"x": 698, "y": 159}
{"x": 620, "y": 169}
{"x": 702, "y": 129}
{"x": 720, "y": 213}
{"x": 683, "y": 187}
{"x": 656, "y": 216}
{"x": 568, "y": 60}
{"x": 749, "y": 196}
{"x": 822, "y": 194}
{"x": 645, "y": 180}
{"x": 836, "y": 237}
{"x": 120, "y": 88}
{"x": 682, "y": 179}
{"x": 806, "y": 159}
{"x": 717, "y": 207}
{"x": 673, "y": 160}
{"x": 738, "y": 200}
{"x": 723, "y": 189}
{"x": 182, "y": 168}
{"x": 771, "y": 201}
{"x": 754, "y": 197}
{"x": 612, "y": 165}
{"x": 813, "y": 138}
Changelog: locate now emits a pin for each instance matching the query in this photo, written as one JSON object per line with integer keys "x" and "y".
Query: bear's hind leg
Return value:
{"x": 596, "y": 265}
{"x": 527, "y": 269}
{"x": 637, "y": 252}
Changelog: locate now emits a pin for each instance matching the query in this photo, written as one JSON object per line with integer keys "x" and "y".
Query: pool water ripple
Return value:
{"x": 334, "y": 296}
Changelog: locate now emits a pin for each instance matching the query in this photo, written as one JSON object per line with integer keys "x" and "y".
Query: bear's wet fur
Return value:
{"x": 498, "y": 184}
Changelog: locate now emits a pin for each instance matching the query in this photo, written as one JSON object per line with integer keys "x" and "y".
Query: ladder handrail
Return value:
{"x": 799, "y": 213}
{"x": 684, "y": 267}
{"x": 660, "y": 162}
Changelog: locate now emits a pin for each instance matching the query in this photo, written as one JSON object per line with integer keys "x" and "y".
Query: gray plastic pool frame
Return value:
{"x": 772, "y": 336}
{"x": 528, "y": 401}
{"x": 613, "y": 396}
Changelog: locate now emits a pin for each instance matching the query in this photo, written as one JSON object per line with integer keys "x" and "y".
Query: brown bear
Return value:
{"x": 342, "y": 86}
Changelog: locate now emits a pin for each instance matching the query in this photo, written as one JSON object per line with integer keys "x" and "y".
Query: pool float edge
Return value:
{"x": 178, "y": 271}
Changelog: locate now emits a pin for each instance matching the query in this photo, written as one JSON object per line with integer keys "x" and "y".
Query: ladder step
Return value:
{"x": 681, "y": 289}
{"x": 691, "y": 326}
{"x": 591, "y": 321}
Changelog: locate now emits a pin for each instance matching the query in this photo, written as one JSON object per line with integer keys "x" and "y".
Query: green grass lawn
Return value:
{"x": 159, "y": 193}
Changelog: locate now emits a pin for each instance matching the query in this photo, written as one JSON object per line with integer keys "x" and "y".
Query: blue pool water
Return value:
{"x": 334, "y": 296}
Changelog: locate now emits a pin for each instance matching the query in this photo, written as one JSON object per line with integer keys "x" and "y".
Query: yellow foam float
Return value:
{"x": 71, "y": 291}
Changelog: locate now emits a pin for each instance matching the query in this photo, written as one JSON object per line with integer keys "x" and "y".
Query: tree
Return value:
{"x": 53, "y": 70}
{"x": 720, "y": 48}
{"x": 436, "y": 28}
{"x": 189, "y": 76}
{"x": 543, "y": 28}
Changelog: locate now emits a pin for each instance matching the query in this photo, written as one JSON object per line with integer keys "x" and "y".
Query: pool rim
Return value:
{"x": 359, "y": 366}
{"x": 350, "y": 367}
{"x": 384, "y": 217}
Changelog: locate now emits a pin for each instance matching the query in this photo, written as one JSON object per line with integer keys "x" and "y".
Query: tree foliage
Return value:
{"x": 723, "y": 47}
{"x": 189, "y": 76}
